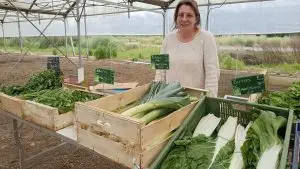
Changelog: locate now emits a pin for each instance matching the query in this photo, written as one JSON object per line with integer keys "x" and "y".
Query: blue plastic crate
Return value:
{"x": 295, "y": 163}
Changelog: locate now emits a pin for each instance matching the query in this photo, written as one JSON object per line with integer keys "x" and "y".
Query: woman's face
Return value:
{"x": 186, "y": 18}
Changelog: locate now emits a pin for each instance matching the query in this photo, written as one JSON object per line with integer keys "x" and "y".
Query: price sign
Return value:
{"x": 53, "y": 63}
{"x": 160, "y": 61}
{"x": 248, "y": 85}
{"x": 105, "y": 76}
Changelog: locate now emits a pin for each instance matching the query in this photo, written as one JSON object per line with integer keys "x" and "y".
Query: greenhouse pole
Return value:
{"x": 4, "y": 42}
{"x": 164, "y": 78}
{"x": 86, "y": 37}
{"x": 66, "y": 38}
{"x": 20, "y": 36}
{"x": 164, "y": 23}
{"x": 78, "y": 33}
{"x": 207, "y": 16}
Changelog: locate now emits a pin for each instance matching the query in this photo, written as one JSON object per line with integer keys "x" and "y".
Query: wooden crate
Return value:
{"x": 47, "y": 116}
{"x": 74, "y": 86}
{"x": 121, "y": 138}
{"x": 11, "y": 104}
{"x": 273, "y": 83}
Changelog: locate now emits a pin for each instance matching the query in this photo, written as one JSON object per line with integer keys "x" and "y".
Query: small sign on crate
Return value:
{"x": 105, "y": 76}
{"x": 160, "y": 61}
{"x": 248, "y": 84}
{"x": 53, "y": 63}
{"x": 296, "y": 152}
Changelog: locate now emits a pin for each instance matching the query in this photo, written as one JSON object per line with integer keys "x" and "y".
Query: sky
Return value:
{"x": 260, "y": 17}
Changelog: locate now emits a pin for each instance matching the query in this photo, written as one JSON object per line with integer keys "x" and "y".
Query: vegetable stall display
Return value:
{"x": 10, "y": 96}
{"x": 43, "y": 100}
{"x": 225, "y": 134}
{"x": 46, "y": 88}
{"x": 137, "y": 123}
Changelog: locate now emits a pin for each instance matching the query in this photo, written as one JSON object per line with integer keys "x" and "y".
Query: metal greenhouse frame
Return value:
{"x": 17, "y": 11}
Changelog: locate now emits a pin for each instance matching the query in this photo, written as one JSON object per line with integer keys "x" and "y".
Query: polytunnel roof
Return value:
{"x": 47, "y": 9}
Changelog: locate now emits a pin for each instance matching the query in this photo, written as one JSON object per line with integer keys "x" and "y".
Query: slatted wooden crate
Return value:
{"x": 48, "y": 116}
{"x": 124, "y": 139}
{"x": 74, "y": 86}
{"x": 12, "y": 104}
{"x": 273, "y": 83}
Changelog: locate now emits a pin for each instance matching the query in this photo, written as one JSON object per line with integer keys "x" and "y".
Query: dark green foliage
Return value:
{"x": 62, "y": 99}
{"x": 47, "y": 79}
{"x": 289, "y": 98}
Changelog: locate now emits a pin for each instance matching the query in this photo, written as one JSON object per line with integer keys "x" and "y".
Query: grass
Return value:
{"x": 253, "y": 41}
{"x": 286, "y": 68}
{"x": 140, "y": 48}
{"x": 138, "y": 54}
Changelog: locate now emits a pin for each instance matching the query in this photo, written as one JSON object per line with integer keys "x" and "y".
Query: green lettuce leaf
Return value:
{"x": 224, "y": 156}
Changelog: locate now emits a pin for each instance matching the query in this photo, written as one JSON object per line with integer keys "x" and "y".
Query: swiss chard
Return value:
{"x": 261, "y": 136}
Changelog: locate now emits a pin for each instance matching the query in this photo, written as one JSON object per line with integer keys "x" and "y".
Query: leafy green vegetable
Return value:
{"x": 58, "y": 98}
{"x": 262, "y": 135}
{"x": 12, "y": 90}
{"x": 62, "y": 99}
{"x": 83, "y": 96}
{"x": 47, "y": 79}
{"x": 224, "y": 156}
{"x": 191, "y": 153}
{"x": 289, "y": 98}
{"x": 177, "y": 154}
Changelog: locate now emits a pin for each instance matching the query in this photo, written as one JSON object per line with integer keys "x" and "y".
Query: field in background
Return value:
{"x": 278, "y": 54}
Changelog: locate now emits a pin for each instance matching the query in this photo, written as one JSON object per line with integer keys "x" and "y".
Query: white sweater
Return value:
{"x": 193, "y": 64}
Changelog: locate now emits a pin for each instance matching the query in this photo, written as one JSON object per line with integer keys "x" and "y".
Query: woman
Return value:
{"x": 192, "y": 51}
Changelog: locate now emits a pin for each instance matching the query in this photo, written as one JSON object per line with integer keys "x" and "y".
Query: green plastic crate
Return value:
{"x": 224, "y": 108}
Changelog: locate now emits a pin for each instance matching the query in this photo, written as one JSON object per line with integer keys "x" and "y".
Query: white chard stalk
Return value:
{"x": 226, "y": 133}
{"x": 240, "y": 136}
{"x": 207, "y": 125}
{"x": 269, "y": 158}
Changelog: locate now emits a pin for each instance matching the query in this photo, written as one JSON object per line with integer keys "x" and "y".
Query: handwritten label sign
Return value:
{"x": 53, "y": 63}
{"x": 248, "y": 85}
{"x": 105, "y": 76}
{"x": 80, "y": 73}
{"x": 160, "y": 61}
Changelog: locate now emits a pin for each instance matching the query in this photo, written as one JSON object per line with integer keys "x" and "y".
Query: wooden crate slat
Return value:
{"x": 11, "y": 104}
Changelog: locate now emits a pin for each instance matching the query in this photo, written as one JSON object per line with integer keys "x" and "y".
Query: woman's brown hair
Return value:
{"x": 193, "y": 5}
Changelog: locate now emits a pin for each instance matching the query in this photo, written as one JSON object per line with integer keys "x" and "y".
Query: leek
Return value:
{"x": 170, "y": 102}
{"x": 154, "y": 114}
{"x": 140, "y": 115}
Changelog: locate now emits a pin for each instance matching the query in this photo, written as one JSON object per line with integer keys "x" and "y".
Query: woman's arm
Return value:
{"x": 211, "y": 65}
